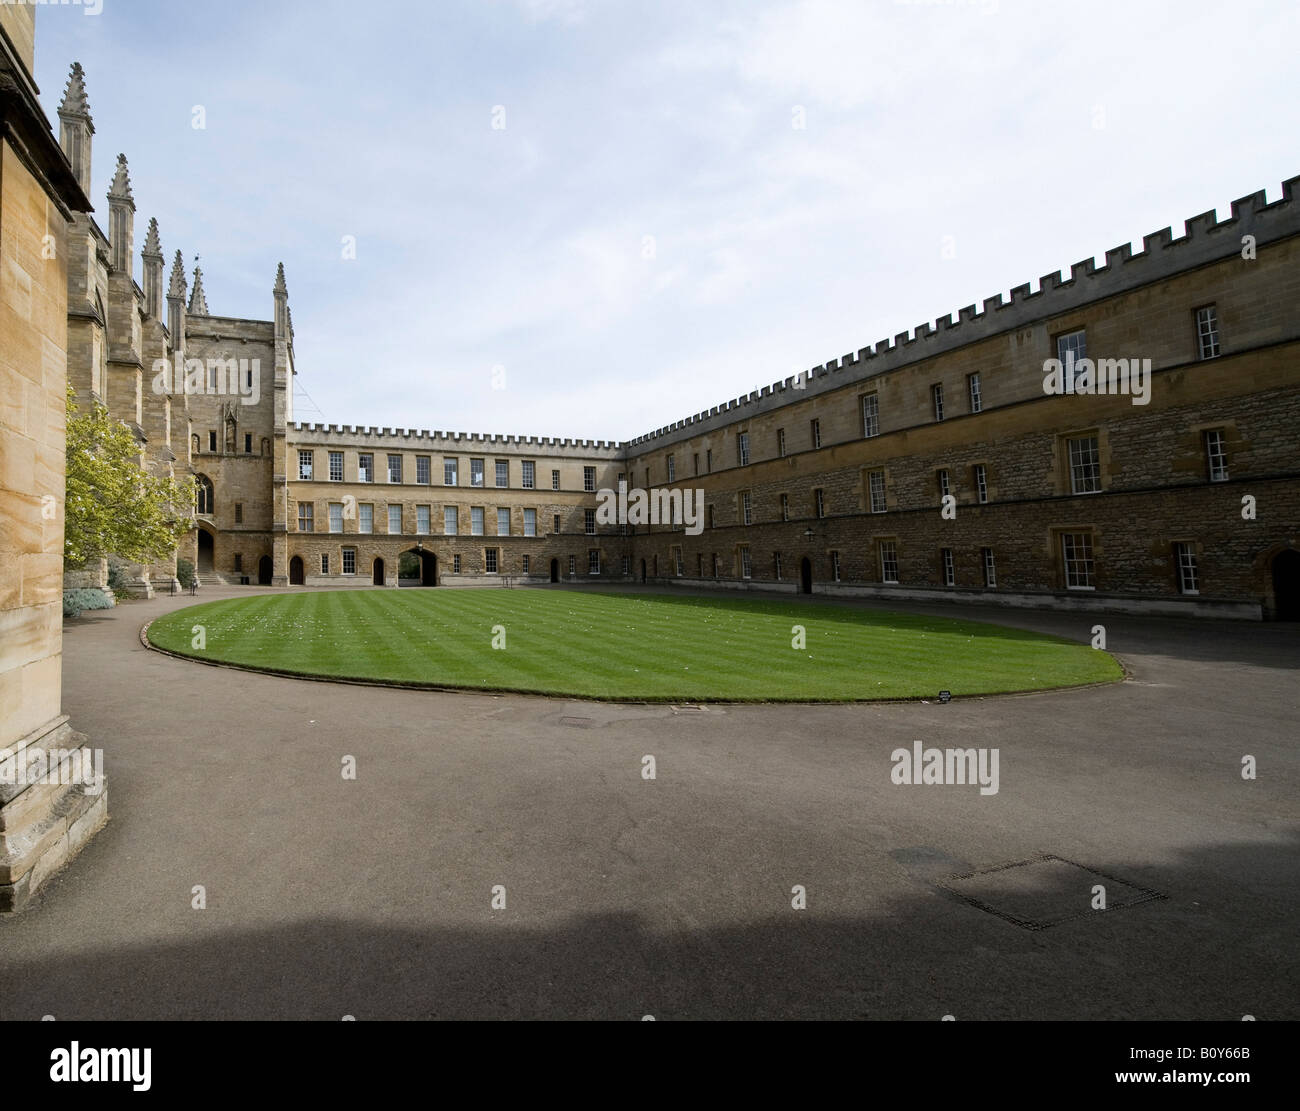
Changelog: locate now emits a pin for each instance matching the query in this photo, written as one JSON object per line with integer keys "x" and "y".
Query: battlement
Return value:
{"x": 1205, "y": 239}
{"x": 438, "y": 440}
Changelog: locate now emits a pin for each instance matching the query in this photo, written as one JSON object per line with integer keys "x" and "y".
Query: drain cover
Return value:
{"x": 578, "y": 723}
{"x": 1044, "y": 891}
{"x": 689, "y": 709}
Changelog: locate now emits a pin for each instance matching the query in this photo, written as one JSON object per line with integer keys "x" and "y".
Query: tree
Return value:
{"x": 113, "y": 506}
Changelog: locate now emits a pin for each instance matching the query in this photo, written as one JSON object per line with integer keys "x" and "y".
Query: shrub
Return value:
{"x": 88, "y": 598}
{"x": 185, "y": 572}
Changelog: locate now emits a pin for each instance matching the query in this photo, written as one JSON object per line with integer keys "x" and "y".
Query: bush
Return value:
{"x": 89, "y": 598}
{"x": 185, "y": 572}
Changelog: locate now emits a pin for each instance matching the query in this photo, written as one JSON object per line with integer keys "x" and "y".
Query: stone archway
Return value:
{"x": 428, "y": 565}
{"x": 378, "y": 577}
{"x": 1286, "y": 585}
{"x": 805, "y": 576}
{"x": 206, "y": 558}
{"x": 555, "y": 570}
{"x": 297, "y": 573}
{"x": 265, "y": 568}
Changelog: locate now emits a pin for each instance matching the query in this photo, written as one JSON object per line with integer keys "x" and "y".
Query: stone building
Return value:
{"x": 48, "y": 810}
{"x": 942, "y": 465}
{"x": 939, "y": 466}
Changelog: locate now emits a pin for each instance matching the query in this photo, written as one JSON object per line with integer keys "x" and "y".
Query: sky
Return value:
{"x": 590, "y": 218}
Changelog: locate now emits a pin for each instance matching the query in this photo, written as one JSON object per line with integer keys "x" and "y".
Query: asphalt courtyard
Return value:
{"x": 674, "y": 896}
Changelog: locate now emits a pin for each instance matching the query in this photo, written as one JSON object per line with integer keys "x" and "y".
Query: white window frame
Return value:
{"x": 1075, "y": 342}
{"x": 503, "y": 519}
{"x": 949, "y": 567}
{"x": 1077, "y": 561}
{"x": 1085, "y": 463}
{"x": 1216, "y": 454}
{"x": 450, "y": 517}
{"x": 973, "y": 393}
{"x": 306, "y": 463}
{"x": 400, "y": 520}
{"x": 1189, "y": 577}
{"x": 336, "y": 466}
{"x": 876, "y": 486}
{"x": 1207, "y": 332}
{"x": 989, "y": 560}
{"x": 888, "y": 550}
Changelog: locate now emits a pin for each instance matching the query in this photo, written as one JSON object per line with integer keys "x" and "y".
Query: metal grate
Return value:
{"x": 1043, "y": 891}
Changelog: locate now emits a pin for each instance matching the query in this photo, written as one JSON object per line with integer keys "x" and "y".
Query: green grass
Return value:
{"x": 626, "y": 646}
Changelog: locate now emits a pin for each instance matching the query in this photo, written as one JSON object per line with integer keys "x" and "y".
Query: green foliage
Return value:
{"x": 184, "y": 572}
{"x": 408, "y": 566}
{"x": 114, "y": 507}
{"x": 87, "y": 598}
{"x": 624, "y": 646}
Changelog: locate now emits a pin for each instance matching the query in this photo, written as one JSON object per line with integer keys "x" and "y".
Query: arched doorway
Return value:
{"x": 264, "y": 567}
{"x": 555, "y": 570}
{"x": 207, "y": 549}
{"x": 643, "y": 570}
{"x": 428, "y": 565}
{"x": 378, "y": 578}
{"x": 296, "y": 575}
{"x": 1286, "y": 585}
{"x": 805, "y": 576}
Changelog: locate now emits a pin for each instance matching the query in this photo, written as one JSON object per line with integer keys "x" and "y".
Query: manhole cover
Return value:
{"x": 1045, "y": 891}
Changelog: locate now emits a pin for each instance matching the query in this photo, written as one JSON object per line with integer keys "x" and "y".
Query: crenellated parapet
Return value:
{"x": 1205, "y": 239}
{"x": 377, "y": 438}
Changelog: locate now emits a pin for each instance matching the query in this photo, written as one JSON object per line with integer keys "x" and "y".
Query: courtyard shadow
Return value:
{"x": 1202, "y": 953}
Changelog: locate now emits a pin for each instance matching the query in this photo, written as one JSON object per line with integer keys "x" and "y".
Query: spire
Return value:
{"x": 152, "y": 247}
{"x": 198, "y": 301}
{"x": 177, "y": 286}
{"x": 121, "y": 189}
{"x": 76, "y": 129}
{"x": 75, "y": 105}
{"x": 281, "y": 293}
{"x": 121, "y": 219}
{"x": 176, "y": 306}
{"x": 153, "y": 272}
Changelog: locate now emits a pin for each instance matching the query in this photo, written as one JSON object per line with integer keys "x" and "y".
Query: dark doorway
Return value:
{"x": 643, "y": 570}
{"x": 296, "y": 576}
{"x": 805, "y": 576}
{"x": 264, "y": 571}
{"x": 428, "y": 565}
{"x": 555, "y": 570}
{"x": 378, "y": 579}
{"x": 1286, "y": 586}
{"x": 207, "y": 548}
